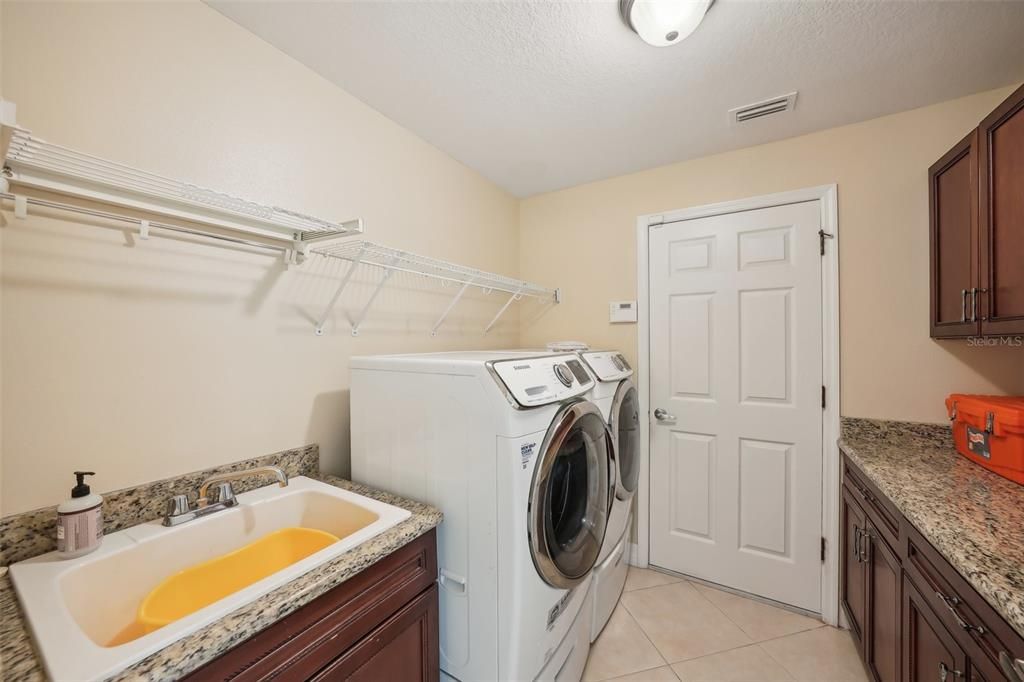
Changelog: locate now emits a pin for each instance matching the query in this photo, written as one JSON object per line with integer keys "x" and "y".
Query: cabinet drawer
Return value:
{"x": 880, "y": 510}
{"x": 405, "y": 647}
{"x": 974, "y": 624}
{"x": 301, "y": 644}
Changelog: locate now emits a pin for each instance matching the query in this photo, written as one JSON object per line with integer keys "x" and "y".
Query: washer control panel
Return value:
{"x": 607, "y": 365}
{"x": 540, "y": 381}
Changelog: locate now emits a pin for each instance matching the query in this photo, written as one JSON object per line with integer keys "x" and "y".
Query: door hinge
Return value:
{"x": 823, "y": 550}
{"x": 823, "y": 397}
{"x": 822, "y": 236}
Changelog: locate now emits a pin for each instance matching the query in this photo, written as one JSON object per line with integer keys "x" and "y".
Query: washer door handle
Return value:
{"x": 663, "y": 416}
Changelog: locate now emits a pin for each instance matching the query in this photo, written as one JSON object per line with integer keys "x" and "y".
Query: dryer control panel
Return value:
{"x": 608, "y": 365}
{"x": 540, "y": 381}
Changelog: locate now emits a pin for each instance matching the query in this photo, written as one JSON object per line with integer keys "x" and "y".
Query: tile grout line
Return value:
{"x": 646, "y": 636}
{"x": 665, "y": 658}
{"x": 737, "y": 648}
{"x": 637, "y": 672}
{"x": 651, "y": 587}
{"x": 752, "y": 642}
{"x": 781, "y": 664}
{"x": 698, "y": 586}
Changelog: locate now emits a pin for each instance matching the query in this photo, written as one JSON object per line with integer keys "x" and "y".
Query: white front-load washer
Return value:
{"x": 504, "y": 444}
{"x": 617, "y": 398}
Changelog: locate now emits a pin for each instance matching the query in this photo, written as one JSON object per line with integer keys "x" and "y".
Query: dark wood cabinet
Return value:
{"x": 1001, "y": 222}
{"x": 953, "y": 209}
{"x": 381, "y": 624}
{"x": 976, "y": 216}
{"x": 870, "y": 591}
{"x": 929, "y": 651}
{"x": 911, "y": 614}
{"x": 403, "y": 648}
{"x": 853, "y": 568}
{"x": 884, "y": 588}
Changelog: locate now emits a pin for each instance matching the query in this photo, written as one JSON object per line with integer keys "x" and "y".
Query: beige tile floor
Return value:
{"x": 669, "y": 629}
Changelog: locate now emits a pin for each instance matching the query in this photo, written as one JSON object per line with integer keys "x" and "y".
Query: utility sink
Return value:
{"x": 148, "y": 586}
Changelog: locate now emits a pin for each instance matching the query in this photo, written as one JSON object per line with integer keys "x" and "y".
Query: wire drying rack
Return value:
{"x": 361, "y": 252}
{"x": 33, "y": 166}
{"x": 34, "y": 171}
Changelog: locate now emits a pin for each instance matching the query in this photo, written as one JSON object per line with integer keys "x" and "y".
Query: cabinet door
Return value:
{"x": 853, "y": 585}
{"x": 953, "y": 222}
{"x": 884, "y": 584}
{"x": 1001, "y": 167}
{"x": 929, "y": 652}
{"x": 404, "y": 648}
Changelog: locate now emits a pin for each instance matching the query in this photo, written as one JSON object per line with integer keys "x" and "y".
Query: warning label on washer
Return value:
{"x": 526, "y": 453}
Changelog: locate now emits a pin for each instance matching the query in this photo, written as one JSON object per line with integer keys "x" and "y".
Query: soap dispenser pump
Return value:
{"x": 79, "y": 520}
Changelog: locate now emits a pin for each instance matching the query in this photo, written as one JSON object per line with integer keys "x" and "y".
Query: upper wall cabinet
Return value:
{"x": 1001, "y": 223}
{"x": 976, "y": 213}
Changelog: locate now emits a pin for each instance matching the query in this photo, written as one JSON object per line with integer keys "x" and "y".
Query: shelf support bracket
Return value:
{"x": 297, "y": 254}
{"x": 440, "y": 320}
{"x": 337, "y": 293}
{"x": 514, "y": 297}
{"x": 143, "y": 229}
{"x": 380, "y": 285}
{"x": 20, "y": 206}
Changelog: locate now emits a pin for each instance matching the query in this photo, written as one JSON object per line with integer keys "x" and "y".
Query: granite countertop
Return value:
{"x": 19, "y": 661}
{"x": 972, "y": 516}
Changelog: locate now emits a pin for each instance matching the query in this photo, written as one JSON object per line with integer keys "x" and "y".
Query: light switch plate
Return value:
{"x": 621, "y": 312}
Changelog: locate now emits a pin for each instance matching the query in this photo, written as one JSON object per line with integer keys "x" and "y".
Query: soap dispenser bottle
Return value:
{"x": 79, "y": 520}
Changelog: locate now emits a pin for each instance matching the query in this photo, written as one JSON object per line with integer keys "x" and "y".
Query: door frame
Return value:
{"x": 827, "y": 195}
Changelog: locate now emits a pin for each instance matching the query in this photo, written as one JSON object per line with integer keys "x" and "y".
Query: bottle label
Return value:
{"x": 79, "y": 530}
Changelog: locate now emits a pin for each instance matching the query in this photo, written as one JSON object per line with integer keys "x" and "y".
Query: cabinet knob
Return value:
{"x": 945, "y": 672}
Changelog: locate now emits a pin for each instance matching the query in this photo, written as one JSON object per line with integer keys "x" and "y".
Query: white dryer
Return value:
{"x": 506, "y": 446}
{"x": 617, "y": 398}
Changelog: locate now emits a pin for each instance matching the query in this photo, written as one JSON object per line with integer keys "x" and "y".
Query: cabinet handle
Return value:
{"x": 865, "y": 540}
{"x": 985, "y": 309}
{"x": 963, "y": 305}
{"x": 1012, "y": 668}
{"x": 856, "y": 542}
{"x": 944, "y": 672}
{"x": 951, "y": 604}
{"x": 864, "y": 494}
{"x": 974, "y": 304}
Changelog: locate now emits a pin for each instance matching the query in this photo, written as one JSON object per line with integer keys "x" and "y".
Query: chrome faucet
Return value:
{"x": 180, "y": 511}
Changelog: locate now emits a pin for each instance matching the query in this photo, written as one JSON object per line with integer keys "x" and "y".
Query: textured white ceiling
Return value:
{"x": 542, "y": 95}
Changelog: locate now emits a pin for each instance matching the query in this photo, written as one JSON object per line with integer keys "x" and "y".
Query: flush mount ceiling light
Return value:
{"x": 663, "y": 22}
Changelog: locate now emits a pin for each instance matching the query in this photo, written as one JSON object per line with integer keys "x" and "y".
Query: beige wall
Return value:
{"x": 150, "y": 360}
{"x": 890, "y": 368}
{"x": 147, "y": 361}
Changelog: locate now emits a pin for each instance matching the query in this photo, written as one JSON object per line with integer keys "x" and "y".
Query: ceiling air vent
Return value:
{"x": 775, "y": 105}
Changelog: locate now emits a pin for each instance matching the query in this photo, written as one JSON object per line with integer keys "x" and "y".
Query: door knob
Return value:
{"x": 663, "y": 416}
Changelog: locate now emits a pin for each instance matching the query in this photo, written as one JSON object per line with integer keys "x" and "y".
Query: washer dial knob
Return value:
{"x": 563, "y": 374}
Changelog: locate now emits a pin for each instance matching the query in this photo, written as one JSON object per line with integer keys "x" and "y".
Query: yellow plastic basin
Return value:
{"x": 193, "y": 588}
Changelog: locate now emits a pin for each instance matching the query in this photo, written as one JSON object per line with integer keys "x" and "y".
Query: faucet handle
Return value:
{"x": 177, "y": 505}
{"x": 224, "y": 493}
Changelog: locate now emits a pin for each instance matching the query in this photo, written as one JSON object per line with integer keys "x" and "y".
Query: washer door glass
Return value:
{"x": 625, "y": 425}
{"x": 570, "y": 496}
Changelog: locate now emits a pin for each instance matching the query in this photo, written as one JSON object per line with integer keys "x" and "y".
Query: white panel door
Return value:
{"x": 736, "y": 368}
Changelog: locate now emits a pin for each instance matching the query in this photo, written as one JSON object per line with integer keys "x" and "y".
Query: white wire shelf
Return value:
{"x": 34, "y": 170}
{"x": 31, "y": 163}
{"x": 361, "y": 252}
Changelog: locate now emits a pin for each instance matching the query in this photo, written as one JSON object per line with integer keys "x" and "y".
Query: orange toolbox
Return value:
{"x": 989, "y": 430}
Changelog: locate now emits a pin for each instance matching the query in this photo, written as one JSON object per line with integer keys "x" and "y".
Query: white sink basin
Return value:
{"x": 77, "y": 607}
